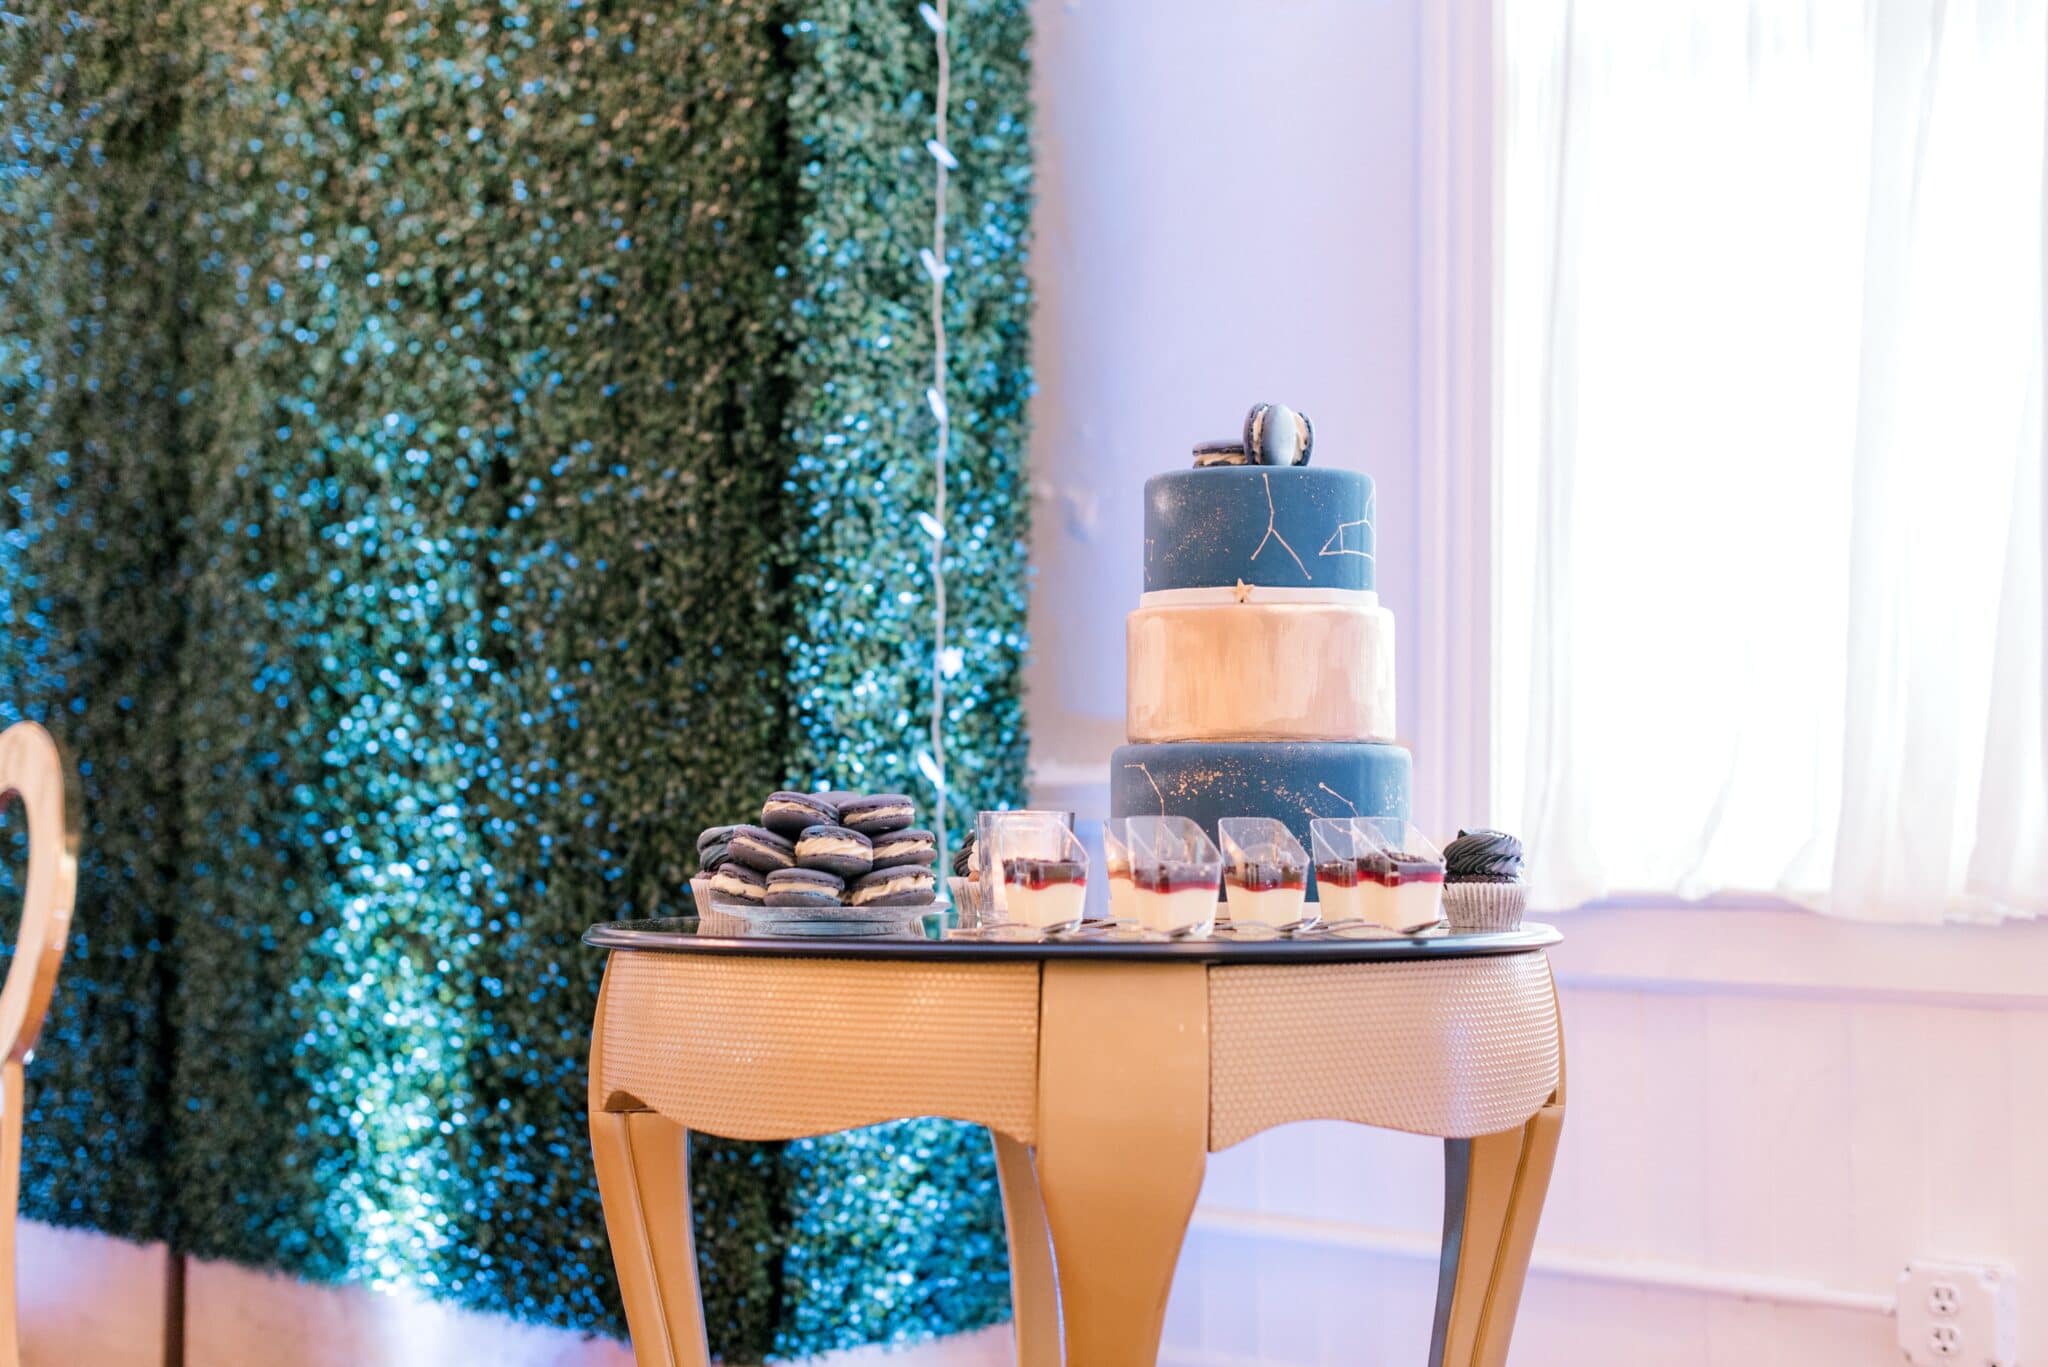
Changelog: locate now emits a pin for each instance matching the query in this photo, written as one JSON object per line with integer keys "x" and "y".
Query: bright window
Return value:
{"x": 1770, "y": 561}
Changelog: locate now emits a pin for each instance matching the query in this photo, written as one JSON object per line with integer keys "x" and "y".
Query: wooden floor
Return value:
{"x": 87, "y": 1298}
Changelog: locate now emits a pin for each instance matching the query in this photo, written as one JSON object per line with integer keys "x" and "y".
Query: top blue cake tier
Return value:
{"x": 1286, "y": 526}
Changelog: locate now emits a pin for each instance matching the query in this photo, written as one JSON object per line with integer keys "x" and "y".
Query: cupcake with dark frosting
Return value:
{"x": 965, "y": 882}
{"x": 1483, "y": 888}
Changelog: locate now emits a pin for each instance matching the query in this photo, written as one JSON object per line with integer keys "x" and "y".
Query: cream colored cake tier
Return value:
{"x": 1203, "y": 665}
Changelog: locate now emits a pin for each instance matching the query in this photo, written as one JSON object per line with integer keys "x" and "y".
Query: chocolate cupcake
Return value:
{"x": 1483, "y": 888}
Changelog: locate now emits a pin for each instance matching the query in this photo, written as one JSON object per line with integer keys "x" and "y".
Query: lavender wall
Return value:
{"x": 1227, "y": 213}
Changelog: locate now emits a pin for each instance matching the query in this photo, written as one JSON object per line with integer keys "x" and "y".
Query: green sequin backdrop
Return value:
{"x": 452, "y": 453}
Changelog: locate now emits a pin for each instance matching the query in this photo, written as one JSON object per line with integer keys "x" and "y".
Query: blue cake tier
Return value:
{"x": 1289, "y": 526}
{"x": 1293, "y": 782}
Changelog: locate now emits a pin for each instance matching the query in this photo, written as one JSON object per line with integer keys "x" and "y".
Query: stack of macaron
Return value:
{"x": 823, "y": 850}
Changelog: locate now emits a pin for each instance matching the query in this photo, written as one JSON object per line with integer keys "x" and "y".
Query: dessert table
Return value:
{"x": 1106, "y": 1072}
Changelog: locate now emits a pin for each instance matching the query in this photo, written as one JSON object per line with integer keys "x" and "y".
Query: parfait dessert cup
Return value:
{"x": 1336, "y": 843}
{"x": 1035, "y": 869}
{"x": 1380, "y": 871}
{"x": 985, "y": 870}
{"x": 1265, "y": 873}
{"x": 1174, "y": 872}
{"x": 1402, "y": 875}
{"x": 1116, "y": 857}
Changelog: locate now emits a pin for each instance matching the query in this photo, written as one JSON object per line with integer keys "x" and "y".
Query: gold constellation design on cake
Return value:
{"x": 1315, "y": 815}
{"x": 1340, "y": 544}
{"x": 1340, "y": 797}
{"x": 1155, "y": 785}
{"x": 1273, "y": 529}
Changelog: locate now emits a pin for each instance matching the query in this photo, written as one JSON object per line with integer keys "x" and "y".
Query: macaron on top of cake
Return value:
{"x": 788, "y": 814}
{"x": 878, "y": 814}
{"x": 897, "y": 848}
{"x": 760, "y": 849}
{"x": 836, "y": 850}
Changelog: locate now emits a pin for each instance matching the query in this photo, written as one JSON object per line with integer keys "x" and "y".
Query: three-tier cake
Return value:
{"x": 1259, "y": 675}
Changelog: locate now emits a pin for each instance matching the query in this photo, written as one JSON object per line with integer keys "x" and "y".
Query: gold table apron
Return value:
{"x": 1105, "y": 1081}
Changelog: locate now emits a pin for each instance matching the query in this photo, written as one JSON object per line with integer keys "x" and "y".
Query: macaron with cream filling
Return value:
{"x": 805, "y": 888}
{"x": 898, "y": 848}
{"x": 878, "y": 814}
{"x": 909, "y": 885}
{"x": 790, "y": 814}
{"x": 836, "y": 850}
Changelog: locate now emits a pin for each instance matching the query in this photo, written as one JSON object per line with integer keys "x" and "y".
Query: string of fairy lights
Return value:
{"x": 945, "y": 661}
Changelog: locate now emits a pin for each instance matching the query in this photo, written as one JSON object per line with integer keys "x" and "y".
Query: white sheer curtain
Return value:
{"x": 1771, "y": 560}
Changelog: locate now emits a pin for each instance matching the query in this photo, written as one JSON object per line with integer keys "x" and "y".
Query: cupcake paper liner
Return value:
{"x": 1485, "y": 906}
{"x": 966, "y": 899}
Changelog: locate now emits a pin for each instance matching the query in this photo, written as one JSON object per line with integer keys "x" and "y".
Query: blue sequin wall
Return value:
{"x": 451, "y": 454}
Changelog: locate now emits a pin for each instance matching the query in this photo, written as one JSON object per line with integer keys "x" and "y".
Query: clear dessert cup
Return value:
{"x": 1116, "y": 862}
{"x": 1039, "y": 871}
{"x": 1174, "y": 872}
{"x": 988, "y": 872}
{"x": 1399, "y": 874}
{"x": 1265, "y": 873}
{"x": 1336, "y": 842}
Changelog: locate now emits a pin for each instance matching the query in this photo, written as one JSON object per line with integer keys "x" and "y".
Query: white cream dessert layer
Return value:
{"x": 1055, "y": 904}
{"x": 1405, "y": 906}
{"x": 1177, "y": 910}
{"x": 1265, "y": 906}
{"x": 1258, "y": 671}
{"x": 1123, "y": 897}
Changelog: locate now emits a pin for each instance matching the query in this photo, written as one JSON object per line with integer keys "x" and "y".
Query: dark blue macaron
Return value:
{"x": 762, "y": 850}
{"x": 836, "y": 850}
{"x": 738, "y": 883}
{"x": 787, "y": 814}
{"x": 804, "y": 888}
{"x": 910, "y": 885}
{"x": 1229, "y": 451}
{"x": 879, "y": 814}
{"x": 1275, "y": 434}
{"x": 716, "y": 835}
{"x": 899, "y": 848}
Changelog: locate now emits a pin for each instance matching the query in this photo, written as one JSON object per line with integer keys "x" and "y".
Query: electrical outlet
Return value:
{"x": 1958, "y": 1315}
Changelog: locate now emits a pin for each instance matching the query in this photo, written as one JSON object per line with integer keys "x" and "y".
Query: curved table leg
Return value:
{"x": 1123, "y": 1136}
{"x": 1493, "y": 1198}
{"x": 643, "y": 1178}
{"x": 1034, "y": 1285}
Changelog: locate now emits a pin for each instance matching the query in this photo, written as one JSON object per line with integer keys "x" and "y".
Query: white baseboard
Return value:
{"x": 1632, "y": 1272}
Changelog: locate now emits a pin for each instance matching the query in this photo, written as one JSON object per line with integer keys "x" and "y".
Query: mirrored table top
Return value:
{"x": 937, "y": 934}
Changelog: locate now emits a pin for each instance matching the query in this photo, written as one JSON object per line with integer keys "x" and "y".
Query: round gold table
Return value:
{"x": 1106, "y": 1073}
